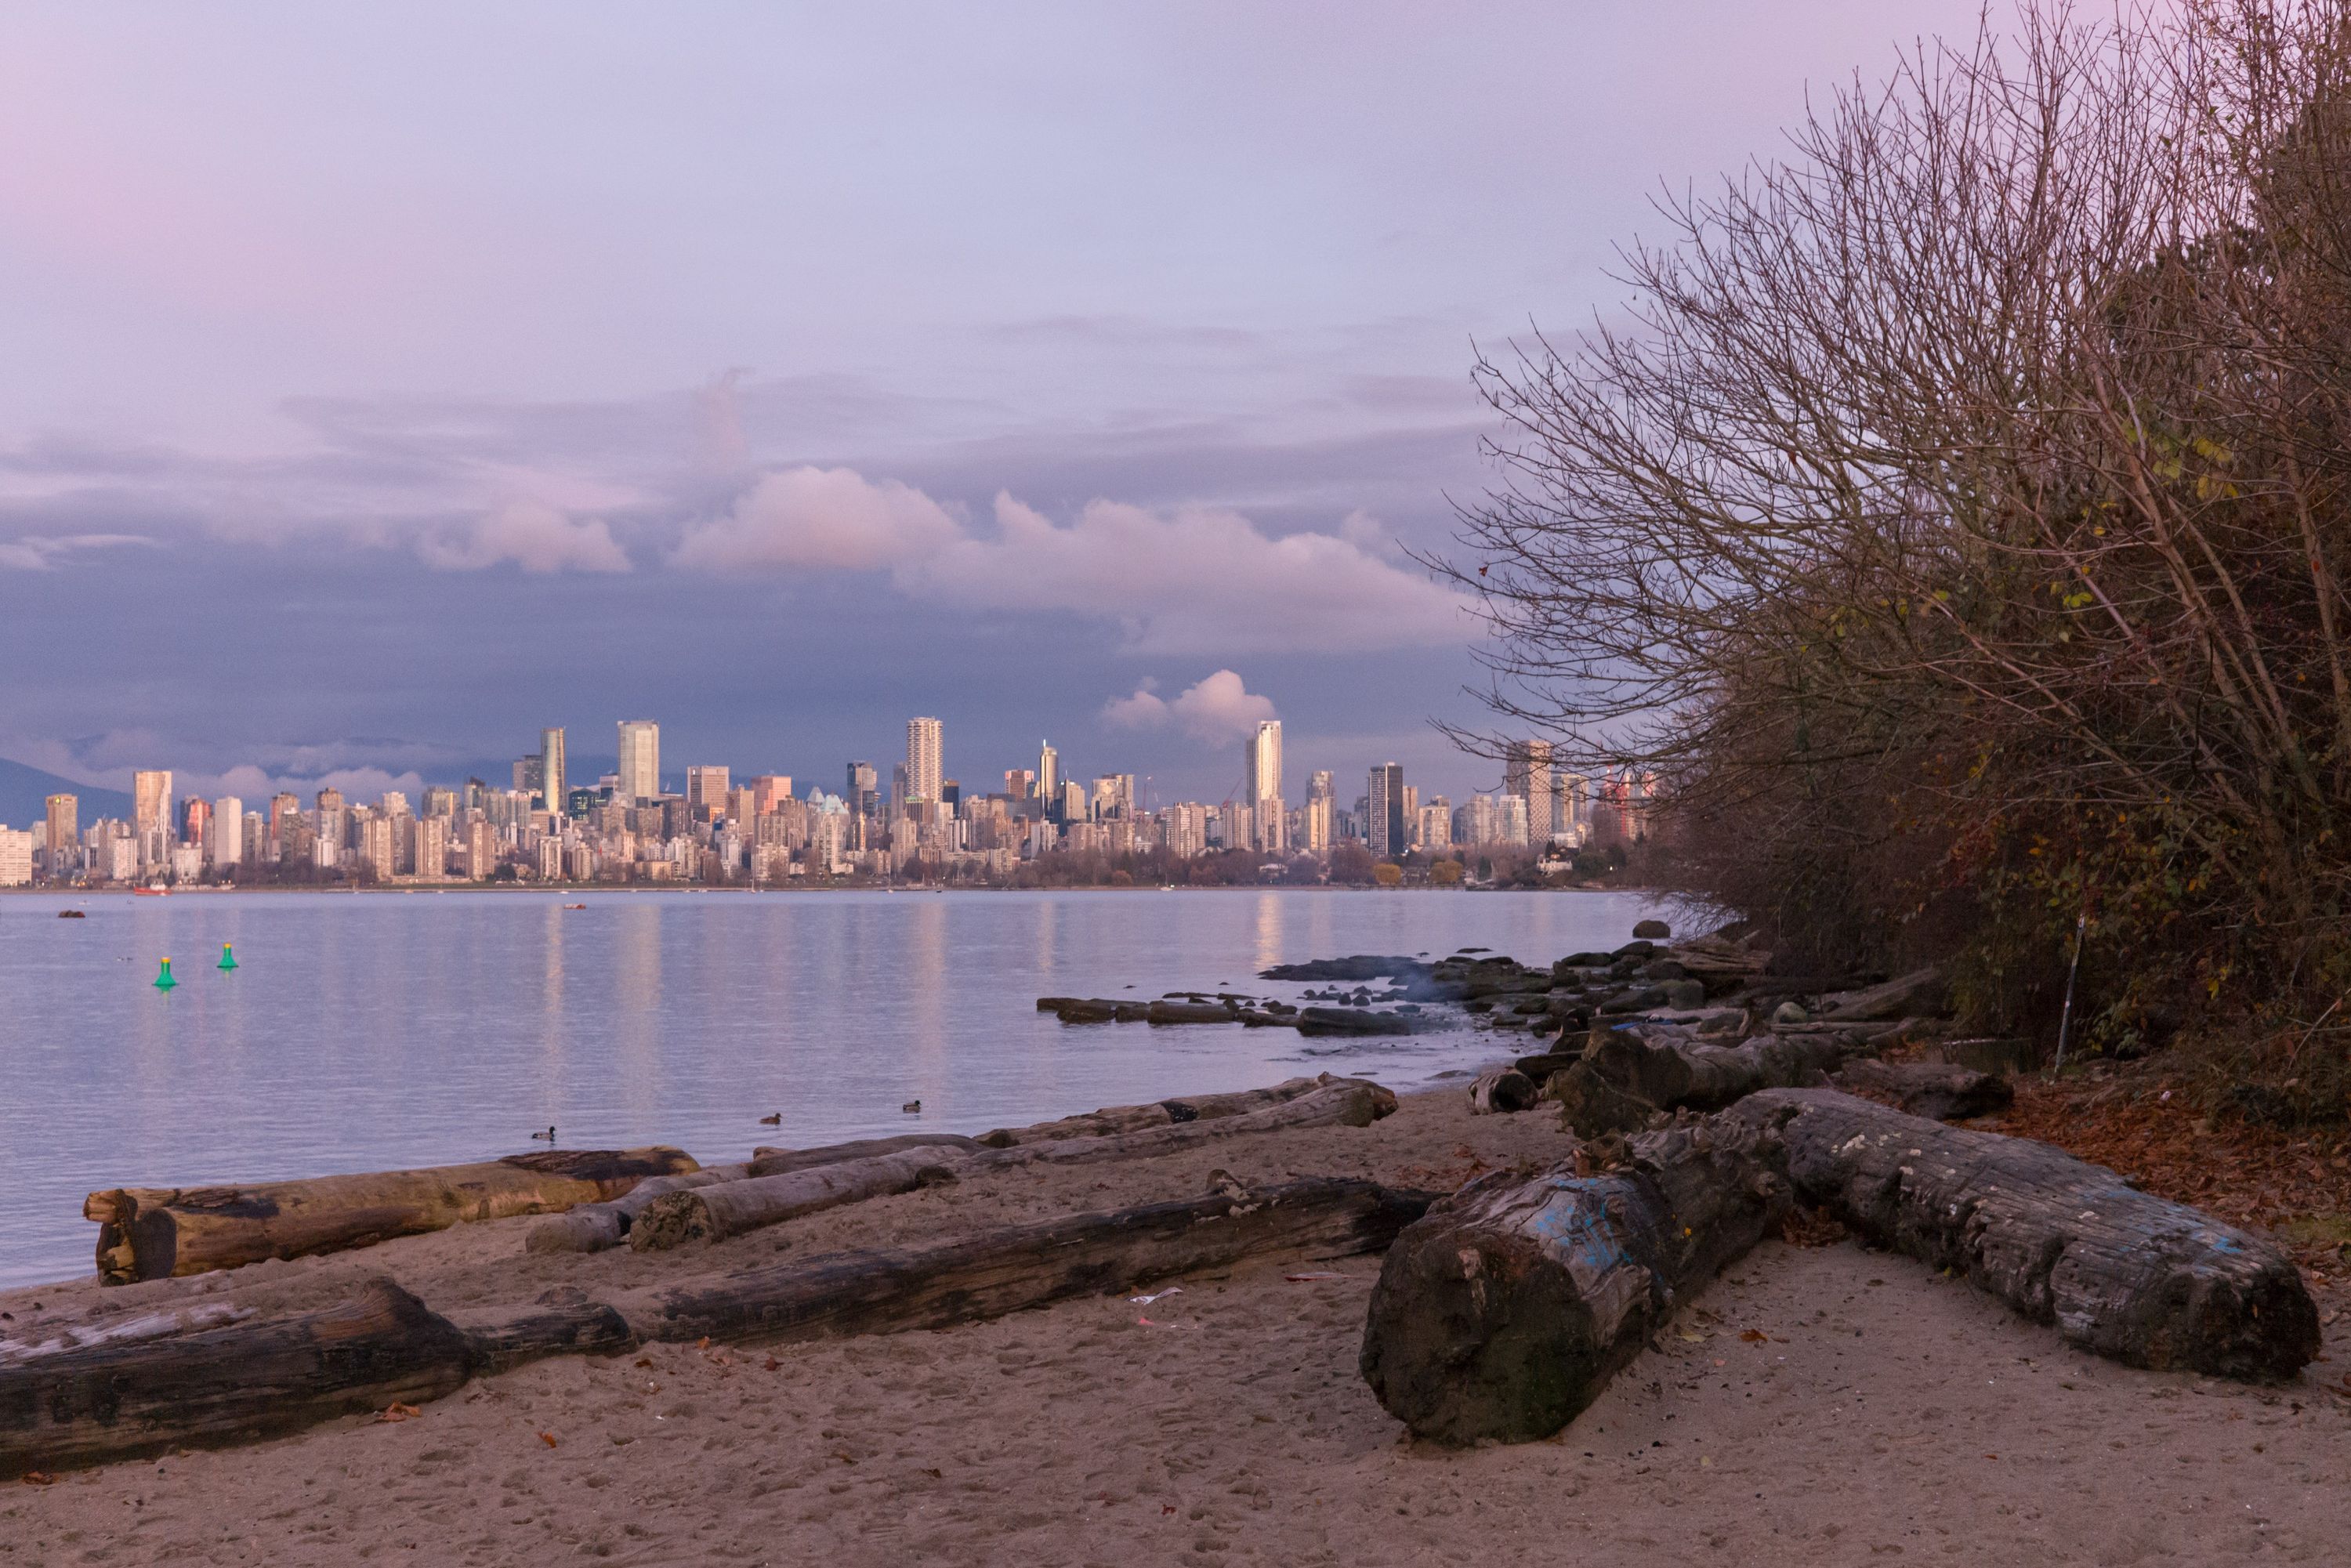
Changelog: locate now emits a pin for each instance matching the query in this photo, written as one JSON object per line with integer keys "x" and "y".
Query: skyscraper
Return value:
{"x": 64, "y": 828}
{"x": 640, "y": 759}
{"x": 865, "y": 794}
{"x": 923, "y": 771}
{"x": 1048, "y": 771}
{"x": 1385, "y": 806}
{"x": 1526, "y": 773}
{"x": 552, "y": 779}
{"x": 228, "y": 831}
{"x": 1261, "y": 769}
{"x": 707, "y": 788}
{"x": 151, "y": 803}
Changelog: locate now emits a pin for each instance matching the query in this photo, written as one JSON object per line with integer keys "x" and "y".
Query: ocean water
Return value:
{"x": 378, "y": 1031}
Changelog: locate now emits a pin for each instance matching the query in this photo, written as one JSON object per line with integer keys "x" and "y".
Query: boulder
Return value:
{"x": 1653, "y": 930}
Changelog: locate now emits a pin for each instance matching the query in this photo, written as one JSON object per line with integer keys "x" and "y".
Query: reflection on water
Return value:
{"x": 378, "y": 1031}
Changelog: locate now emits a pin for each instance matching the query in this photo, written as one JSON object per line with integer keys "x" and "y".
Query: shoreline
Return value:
{"x": 1814, "y": 1405}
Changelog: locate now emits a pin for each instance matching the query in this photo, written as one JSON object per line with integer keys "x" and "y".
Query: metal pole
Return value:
{"x": 2065, "y": 1017}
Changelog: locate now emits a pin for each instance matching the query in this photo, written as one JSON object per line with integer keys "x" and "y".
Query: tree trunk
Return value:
{"x": 251, "y": 1379}
{"x": 1505, "y": 1089}
{"x": 766, "y": 1161}
{"x": 720, "y": 1209}
{"x": 1003, "y": 1270}
{"x": 155, "y": 1233}
{"x": 596, "y": 1226}
{"x": 1506, "y": 1310}
{"x": 2143, "y": 1280}
{"x": 563, "y": 1322}
{"x": 1623, "y": 1080}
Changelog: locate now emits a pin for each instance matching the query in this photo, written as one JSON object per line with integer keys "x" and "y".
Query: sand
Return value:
{"x": 1890, "y": 1414}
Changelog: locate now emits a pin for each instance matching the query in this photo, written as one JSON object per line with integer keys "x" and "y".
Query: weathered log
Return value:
{"x": 595, "y": 1227}
{"x": 1175, "y": 1012}
{"x": 1623, "y": 1080}
{"x": 766, "y": 1161}
{"x": 1506, "y": 1310}
{"x": 1939, "y": 1091}
{"x": 1113, "y": 1119}
{"x": 1505, "y": 1089}
{"x": 1004, "y": 1271}
{"x": 155, "y": 1233}
{"x": 721, "y": 1210}
{"x": 1921, "y": 992}
{"x": 1352, "y": 1020}
{"x": 730, "y": 1208}
{"x": 563, "y": 1322}
{"x": 2119, "y": 1272}
{"x": 225, "y": 1384}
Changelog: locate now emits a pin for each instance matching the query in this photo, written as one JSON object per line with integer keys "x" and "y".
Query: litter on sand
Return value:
{"x": 1156, "y": 1296}
{"x": 1315, "y": 1274}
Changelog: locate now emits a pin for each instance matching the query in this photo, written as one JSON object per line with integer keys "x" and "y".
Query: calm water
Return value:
{"x": 380, "y": 1030}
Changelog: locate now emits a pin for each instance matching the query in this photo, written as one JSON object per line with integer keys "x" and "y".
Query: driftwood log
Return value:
{"x": 1505, "y": 1311}
{"x": 721, "y": 1210}
{"x": 1159, "y": 1114}
{"x": 246, "y": 1380}
{"x": 2124, "y": 1274}
{"x": 156, "y": 1233}
{"x": 1939, "y": 1091}
{"x": 1004, "y": 1271}
{"x": 1623, "y": 1079}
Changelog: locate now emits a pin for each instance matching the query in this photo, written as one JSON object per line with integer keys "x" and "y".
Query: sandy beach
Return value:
{"x": 1819, "y": 1405}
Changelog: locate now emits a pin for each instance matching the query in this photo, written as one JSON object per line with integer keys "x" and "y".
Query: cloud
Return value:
{"x": 534, "y": 536}
{"x": 1190, "y": 579}
{"x": 35, "y": 552}
{"x": 1217, "y": 709}
{"x": 820, "y": 517}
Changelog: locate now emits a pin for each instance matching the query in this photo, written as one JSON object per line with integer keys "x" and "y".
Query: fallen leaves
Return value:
{"x": 549, "y": 1439}
{"x": 396, "y": 1411}
{"x": 1754, "y": 1337}
{"x": 39, "y": 1479}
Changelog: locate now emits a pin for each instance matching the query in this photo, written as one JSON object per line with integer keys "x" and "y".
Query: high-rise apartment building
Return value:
{"x": 1526, "y": 773}
{"x": 1384, "y": 805}
{"x": 228, "y": 831}
{"x": 768, "y": 793}
{"x": 922, "y": 751}
{"x": 863, "y": 798}
{"x": 640, "y": 760}
{"x": 1261, "y": 774}
{"x": 151, "y": 803}
{"x": 61, "y": 816}
{"x": 553, "y": 782}
{"x": 706, "y": 791}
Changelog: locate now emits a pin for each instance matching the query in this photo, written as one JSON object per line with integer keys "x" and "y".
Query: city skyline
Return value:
{"x": 788, "y": 439}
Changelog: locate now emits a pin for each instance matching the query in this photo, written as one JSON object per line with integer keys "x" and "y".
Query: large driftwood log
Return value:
{"x": 1004, "y": 1271}
{"x": 731, "y": 1207}
{"x": 156, "y": 1233}
{"x": 721, "y": 1210}
{"x": 1503, "y": 1090}
{"x": 1623, "y": 1080}
{"x": 2126, "y": 1275}
{"x": 1113, "y": 1119}
{"x": 595, "y": 1227}
{"x": 1506, "y": 1310}
{"x": 111, "y": 1401}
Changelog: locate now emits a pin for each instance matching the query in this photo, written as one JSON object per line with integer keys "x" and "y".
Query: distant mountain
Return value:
{"x": 25, "y": 791}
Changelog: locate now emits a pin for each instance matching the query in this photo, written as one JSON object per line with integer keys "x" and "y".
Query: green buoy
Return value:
{"x": 163, "y": 982}
{"x": 229, "y": 959}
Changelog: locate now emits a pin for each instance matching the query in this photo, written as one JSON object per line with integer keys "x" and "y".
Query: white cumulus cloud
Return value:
{"x": 534, "y": 536}
{"x": 35, "y": 552}
{"x": 821, "y": 518}
{"x": 1217, "y": 709}
{"x": 1190, "y": 580}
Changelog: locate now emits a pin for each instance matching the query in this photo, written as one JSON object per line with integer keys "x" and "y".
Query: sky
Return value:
{"x": 378, "y": 385}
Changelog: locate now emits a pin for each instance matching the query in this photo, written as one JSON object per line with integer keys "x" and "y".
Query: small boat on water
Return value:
{"x": 149, "y": 892}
